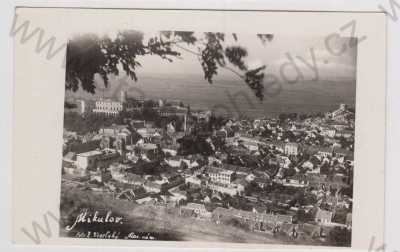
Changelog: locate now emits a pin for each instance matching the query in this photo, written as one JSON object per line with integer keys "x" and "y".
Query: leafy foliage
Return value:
{"x": 89, "y": 54}
{"x": 254, "y": 79}
{"x": 235, "y": 55}
{"x": 265, "y": 38}
{"x": 212, "y": 55}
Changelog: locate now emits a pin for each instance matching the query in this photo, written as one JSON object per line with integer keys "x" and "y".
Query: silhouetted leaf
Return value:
{"x": 235, "y": 55}
{"x": 254, "y": 79}
{"x": 186, "y": 36}
{"x": 265, "y": 38}
{"x": 212, "y": 55}
{"x": 234, "y": 36}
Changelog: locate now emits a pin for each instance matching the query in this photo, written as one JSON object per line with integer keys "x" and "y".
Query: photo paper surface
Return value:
{"x": 157, "y": 131}
{"x": 208, "y": 136}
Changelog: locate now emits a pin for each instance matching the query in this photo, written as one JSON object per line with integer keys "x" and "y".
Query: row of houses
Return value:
{"x": 254, "y": 219}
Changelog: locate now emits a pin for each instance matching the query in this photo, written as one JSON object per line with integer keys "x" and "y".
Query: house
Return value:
{"x": 152, "y": 187}
{"x": 238, "y": 170}
{"x": 201, "y": 115}
{"x": 169, "y": 111}
{"x": 172, "y": 179}
{"x": 127, "y": 194}
{"x": 175, "y": 161}
{"x": 198, "y": 170}
{"x": 178, "y": 194}
{"x": 250, "y": 177}
{"x": 69, "y": 165}
{"x": 178, "y": 162}
{"x": 345, "y": 133}
{"x": 108, "y": 107}
{"x": 283, "y": 161}
{"x": 100, "y": 176}
{"x": 70, "y": 157}
{"x": 273, "y": 161}
{"x": 308, "y": 165}
{"x": 256, "y": 221}
{"x": 341, "y": 114}
{"x": 262, "y": 182}
{"x": 220, "y": 175}
{"x": 137, "y": 124}
{"x": 276, "y": 145}
{"x": 292, "y": 149}
{"x": 323, "y": 217}
{"x": 95, "y": 158}
{"x": 328, "y": 131}
{"x": 222, "y": 133}
{"x": 147, "y": 200}
{"x": 195, "y": 210}
{"x": 117, "y": 131}
{"x": 149, "y": 135}
{"x": 325, "y": 152}
{"x": 342, "y": 153}
{"x": 250, "y": 143}
{"x": 251, "y": 146}
{"x": 146, "y": 149}
{"x": 133, "y": 179}
{"x": 239, "y": 184}
{"x": 230, "y": 189}
{"x": 296, "y": 181}
{"x": 193, "y": 180}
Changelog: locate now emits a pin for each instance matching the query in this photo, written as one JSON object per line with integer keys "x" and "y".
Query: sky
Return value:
{"x": 274, "y": 55}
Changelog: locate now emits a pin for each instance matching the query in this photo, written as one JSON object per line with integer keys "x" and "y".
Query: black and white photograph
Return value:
{"x": 205, "y": 136}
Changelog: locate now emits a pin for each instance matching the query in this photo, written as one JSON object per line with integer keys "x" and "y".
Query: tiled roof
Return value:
{"x": 212, "y": 169}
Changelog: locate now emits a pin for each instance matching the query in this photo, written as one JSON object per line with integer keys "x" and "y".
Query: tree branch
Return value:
{"x": 198, "y": 54}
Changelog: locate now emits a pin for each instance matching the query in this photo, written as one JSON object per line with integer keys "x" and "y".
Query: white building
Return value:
{"x": 219, "y": 175}
{"x": 292, "y": 149}
{"x": 230, "y": 189}
{"x": 91, "y": 159}
{"x": 108, "y": 107}
{"x": 117, "y": 132}
{"x": 340, "y": 114}
{"x": 323, "y": 217}
{"x": 250, "y": 143}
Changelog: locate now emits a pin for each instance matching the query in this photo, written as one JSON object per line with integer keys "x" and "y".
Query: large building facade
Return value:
{"x": 219, "y": 175}
{"x": 92, "y": 159}
{"x": 108, "y": 107}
